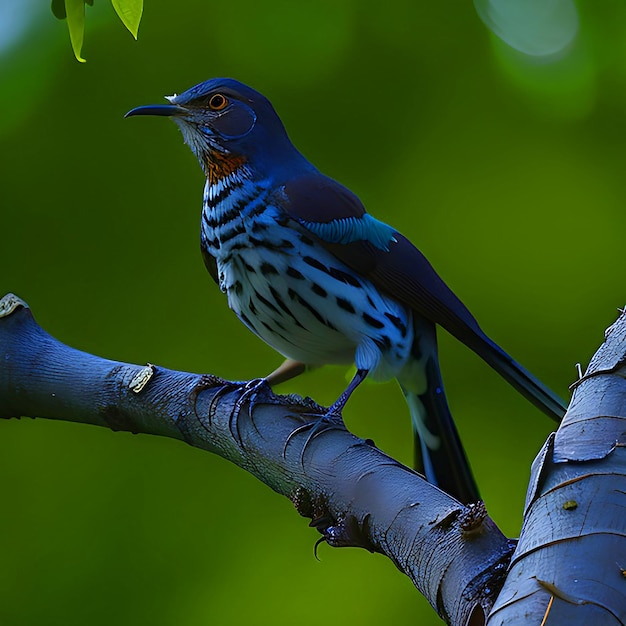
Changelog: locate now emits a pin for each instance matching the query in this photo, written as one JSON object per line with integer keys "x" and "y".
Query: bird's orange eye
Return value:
{"x": 217, "y": 102}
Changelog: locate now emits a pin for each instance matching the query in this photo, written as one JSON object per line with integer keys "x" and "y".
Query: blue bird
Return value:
{"x": 306, "y": 269}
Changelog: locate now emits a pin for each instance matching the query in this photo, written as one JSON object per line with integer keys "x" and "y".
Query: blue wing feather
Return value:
{"x": 350, "y": 229}
{"x": 375, "y": 250}
{"x": 333, "y": 213}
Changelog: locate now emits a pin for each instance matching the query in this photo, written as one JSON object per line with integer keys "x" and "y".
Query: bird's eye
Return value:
{"x": 217, "y": 102}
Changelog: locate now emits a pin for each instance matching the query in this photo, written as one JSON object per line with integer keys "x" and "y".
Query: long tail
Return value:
{"x": 438, "y": 450}
{"x": 520, "y": 378}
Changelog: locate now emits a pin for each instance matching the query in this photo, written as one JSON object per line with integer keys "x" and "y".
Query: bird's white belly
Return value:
{"x": 309, "y": 315}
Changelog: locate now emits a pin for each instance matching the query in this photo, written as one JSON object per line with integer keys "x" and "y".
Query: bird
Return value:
{"x": 310, "y": 272}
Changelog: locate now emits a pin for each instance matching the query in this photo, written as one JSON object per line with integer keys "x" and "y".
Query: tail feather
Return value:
{"x": 439, "y": 453}
{"x": 438, "y": 450}
{"x": 520, "y": 378}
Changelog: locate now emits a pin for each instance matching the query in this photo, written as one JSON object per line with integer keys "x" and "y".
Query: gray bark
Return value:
{"x": 570, "y": 563}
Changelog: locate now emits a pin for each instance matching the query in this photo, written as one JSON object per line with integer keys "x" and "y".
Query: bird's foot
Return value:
{"x": 248, "y": 396}
{"x": 331, "y": 420}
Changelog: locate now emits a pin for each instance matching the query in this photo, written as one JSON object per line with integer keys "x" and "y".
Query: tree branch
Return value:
{"x": 354, "y": 494}
{"x": 570, "y": 563}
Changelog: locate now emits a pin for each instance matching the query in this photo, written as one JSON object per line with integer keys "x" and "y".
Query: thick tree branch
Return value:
{"x": 354, "y": 494}
{"x": 570, "y": 563}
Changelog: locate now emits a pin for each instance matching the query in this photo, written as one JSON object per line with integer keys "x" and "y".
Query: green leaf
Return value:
{"x": 75, "y": 10}
{"x": 129, "y": 12}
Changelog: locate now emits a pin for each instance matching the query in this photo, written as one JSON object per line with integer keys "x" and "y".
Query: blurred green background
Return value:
{"x": 505, "y": 168}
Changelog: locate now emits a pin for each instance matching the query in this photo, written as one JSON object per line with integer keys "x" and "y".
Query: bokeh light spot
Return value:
{"x": 535, "y": 27}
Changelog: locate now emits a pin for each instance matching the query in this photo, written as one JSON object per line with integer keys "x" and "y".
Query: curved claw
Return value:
{"x": 329, "y": 421}
{"x": 248, "y": 396}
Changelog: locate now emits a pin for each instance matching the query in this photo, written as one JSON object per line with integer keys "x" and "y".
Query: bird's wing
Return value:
{"x": 396, "y": 267}
{"x": 376, "y": 251}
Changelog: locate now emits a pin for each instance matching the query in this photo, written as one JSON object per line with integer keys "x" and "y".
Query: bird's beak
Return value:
{"x": 169, "y": 110}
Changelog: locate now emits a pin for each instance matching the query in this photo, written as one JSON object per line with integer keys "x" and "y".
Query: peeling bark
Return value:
{"x": 570, "y": 564}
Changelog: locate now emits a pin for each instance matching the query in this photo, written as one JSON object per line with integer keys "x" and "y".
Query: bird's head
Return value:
{"x": 227, "y": 124}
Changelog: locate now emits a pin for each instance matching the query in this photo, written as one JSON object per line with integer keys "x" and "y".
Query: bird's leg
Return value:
{"x": 332, "y": 418}
{"x": 287, "y": 370}
{"x": 334, "y": 412}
